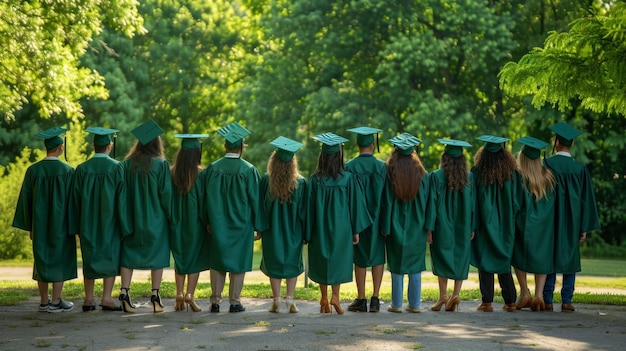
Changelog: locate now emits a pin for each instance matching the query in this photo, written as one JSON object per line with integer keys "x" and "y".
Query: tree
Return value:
{"x": 585, "y": 63}
{"x": 42, "y": 41}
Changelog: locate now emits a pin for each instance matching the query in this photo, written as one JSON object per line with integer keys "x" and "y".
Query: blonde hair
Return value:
{"x": 283, "y": 177}
{"x": 536, "y": 178}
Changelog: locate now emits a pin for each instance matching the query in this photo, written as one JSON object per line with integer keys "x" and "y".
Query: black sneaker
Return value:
{"x": 358, "y": 305}
{"x": 236, "y": 308}
{"x": 215, "y": 307}
{"x": 374, "y": 304}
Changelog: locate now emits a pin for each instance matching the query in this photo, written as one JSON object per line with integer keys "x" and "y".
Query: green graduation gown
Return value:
{"x": 450, "y": 216}
{"x": 284, "y": 234}
{"x": 405, "y": 226}
{"x": 576, "y": 211}
{"x": 337, "y": 210}
{"x": 189, "y": 240}
{"x": 94, "y": 203}
{"x": 145, "y": 213}
{"x": 42, "y": 208}
{"x": 231, "y": 208}
{"x": 371, "y": 174}
{"x": 533, "y": 251}
{"x": 496, "y": 208}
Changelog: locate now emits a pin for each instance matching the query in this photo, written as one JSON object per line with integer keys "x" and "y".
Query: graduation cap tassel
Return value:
{"x": 377, "y": 143}
{"x": 65, "y": 148}
{"x": 554, "y": 146}
{"x": 114, "y": 143}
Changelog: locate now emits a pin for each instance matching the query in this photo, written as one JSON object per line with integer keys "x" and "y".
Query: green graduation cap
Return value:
{"x": 405, "y": 143}
{"x": 331, "y": 143}
{"x": 454, "y": 147}
{"x": 52, "y": 137}
{"x": 234, "y": 134}
{"x": 190, "y": 141}
{"x": 286, "y": 148}
{"x": 494, "y": 143}
{"x": 565, "y": 133}
{"x": 102, "y": 136}
{"x": 365, "y": 135}
{"x": 532, "y": 146}
{"x": 147, "y": 131}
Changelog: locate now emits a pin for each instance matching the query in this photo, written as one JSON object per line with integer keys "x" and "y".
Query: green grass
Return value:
{"x": 596, "y": 275}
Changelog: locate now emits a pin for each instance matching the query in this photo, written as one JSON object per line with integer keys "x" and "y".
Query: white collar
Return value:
{"x": 564, "y": 153}
{"x": 51, "y": 158}
{"x": 232, "y": 155}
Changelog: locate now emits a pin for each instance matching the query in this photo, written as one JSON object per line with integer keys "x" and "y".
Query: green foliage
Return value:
{"x": 42, "y": 42}
{"x": 584, "y": 63}
{"x": 14, "y": 243}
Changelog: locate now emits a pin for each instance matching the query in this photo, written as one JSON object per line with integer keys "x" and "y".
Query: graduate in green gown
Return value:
{"x": 450, "y": 221}
{"x": 337, "y": 214}
{"x": 231, "y": 210}
{"x": 403, "y": 221}
{"x": 497, "y": 203}
{"x": 370, "y": 251}
{"x": 145, "y": 212}
{"x": 96, "y": 185}
{"x": 189, "y": 240}
{"x": 283, "y": 205}
{"x": 42, "y": 210}
{"x": 534, "y": 226}
{"x": 576, "y": 214}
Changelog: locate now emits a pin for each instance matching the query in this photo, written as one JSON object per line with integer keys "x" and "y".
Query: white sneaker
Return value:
{"x": 62, "y": 306}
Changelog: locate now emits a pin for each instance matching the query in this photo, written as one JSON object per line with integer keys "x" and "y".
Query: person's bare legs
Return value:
{"x": 43, "y": 292}
{"x": 291, "y": 286}
{"x": 156, "y": 276}
{"x": 275, "y": 284}
{"x": 89, "y": 287}
{"x": 540, "y": 282}
{"x": 107, "y": 290}
{"x": 324, "y": 304}
{"x": 192, "y": 283}
{"x": 180, "y": 284}
{"x": 524, "y": 299}
{"x": 57, "y": 288}
{"x": 334, "y": 300}
{"x": 457, "y": 288}
{"x": 377, "y": 278}
{"x": 126, "y": 275}
{"x": 443, "y": 293}
{"x": 360, "y": 274}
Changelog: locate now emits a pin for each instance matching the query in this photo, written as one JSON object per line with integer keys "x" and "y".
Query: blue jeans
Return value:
{"x": 414, "y": 291}
{"x": 567, "y": 290}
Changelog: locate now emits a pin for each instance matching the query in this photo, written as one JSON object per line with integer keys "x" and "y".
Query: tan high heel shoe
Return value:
{"x": 537, "y": 305}
{"x": 336, "y": 305}
{"x": 180, "y": 303}
{"x": 191, "y": 303}
{"x": 324, "y": 306}
{"x": 291, "y": 306}
{"x": 524, "y": 301}
{"x": 453, "y": 303}
{"x": 275, "y": 308}
{"x": 442, "y": 301}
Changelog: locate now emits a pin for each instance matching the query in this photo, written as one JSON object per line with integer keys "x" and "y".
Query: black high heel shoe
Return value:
{"x": 156, "y": 302}
{"x": 127, "y": 306}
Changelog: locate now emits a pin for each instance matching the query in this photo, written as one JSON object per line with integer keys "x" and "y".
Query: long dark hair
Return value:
{"x": 185, "y": 169}
{"x": 455, "y": 171}
{"x": 142, "y": 155}
{"x": 494, "y": 167}
{"x": 329, "y": 165}
{"x": 405, "y": 173}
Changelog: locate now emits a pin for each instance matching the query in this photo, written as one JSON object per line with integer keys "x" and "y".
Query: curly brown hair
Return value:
{"x": 283, "y": 176}
{"x": 185, "y": 169}
{"x": 142, "y": 155}
{"x": 455, "y": 171}
{"x": 494, "y": 167}
{"x": 405, "y": 173}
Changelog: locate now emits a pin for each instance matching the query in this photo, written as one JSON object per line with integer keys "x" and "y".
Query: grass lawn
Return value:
{"x": 595, "y": 275}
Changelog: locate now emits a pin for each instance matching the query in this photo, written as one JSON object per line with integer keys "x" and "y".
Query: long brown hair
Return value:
{"x": 142, "y": 155}
{"x": 537, "y": 178}
{"x": 329, "y": 165}
{"x": 283, "y": 177}
{"x": 405, "y": 173}
{"x": 494, "y": 167}
{"x": 185, "y": 169}
{"x": 455, "y": 171}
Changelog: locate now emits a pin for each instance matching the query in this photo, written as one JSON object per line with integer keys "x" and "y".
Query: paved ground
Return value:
{"x": 591, "y": 327}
